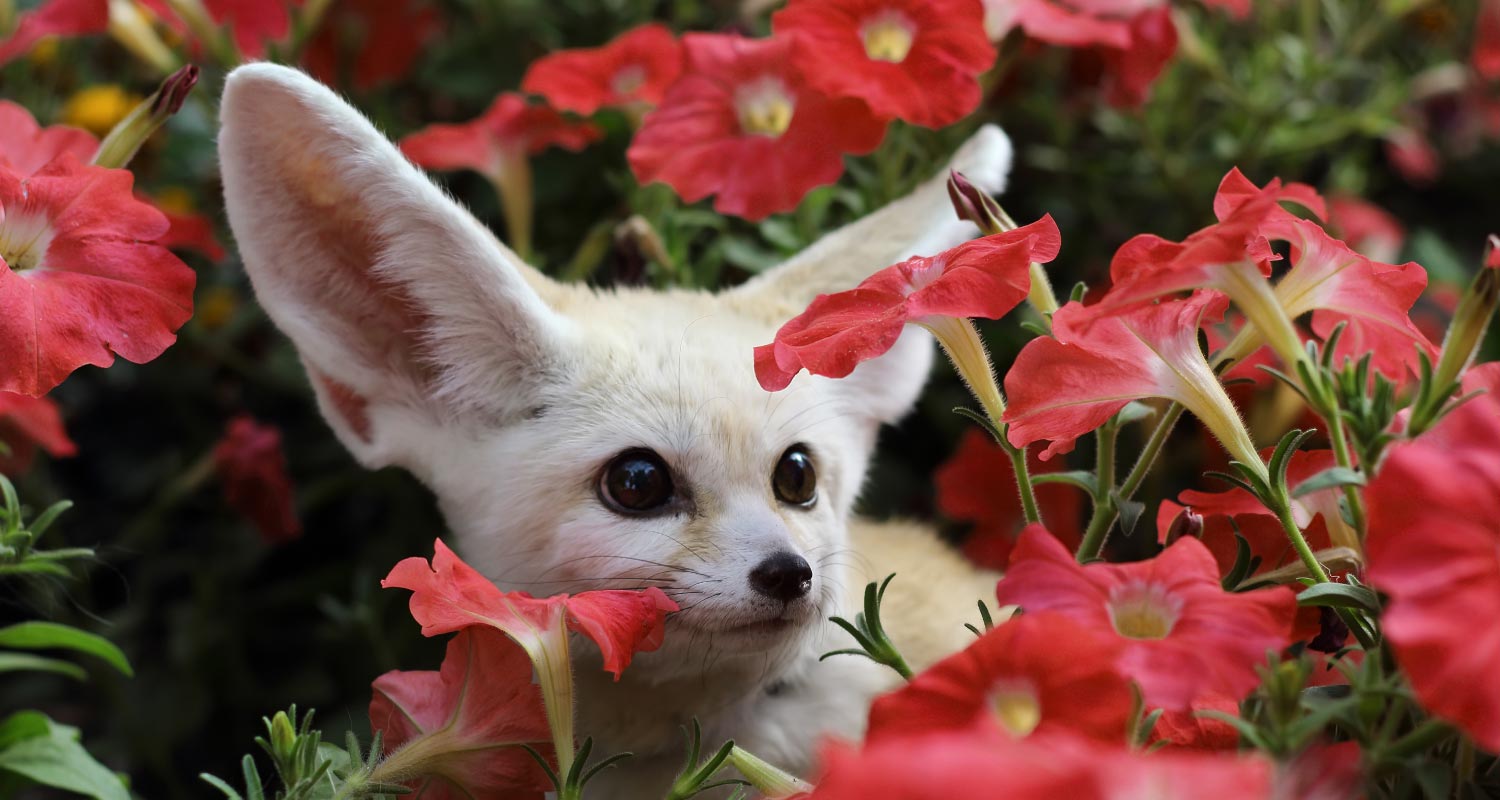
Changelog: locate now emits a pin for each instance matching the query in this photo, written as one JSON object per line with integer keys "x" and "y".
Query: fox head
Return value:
{"x": 576, "y": 438}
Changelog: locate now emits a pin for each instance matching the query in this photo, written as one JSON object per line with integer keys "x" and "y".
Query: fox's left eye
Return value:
{"x": 795, "y": 481}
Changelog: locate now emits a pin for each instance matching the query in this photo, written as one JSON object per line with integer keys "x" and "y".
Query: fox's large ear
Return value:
{"x": 922, "y": 223}
{"x": 405, "y": 310}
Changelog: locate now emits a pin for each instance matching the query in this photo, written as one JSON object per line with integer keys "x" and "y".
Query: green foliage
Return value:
{"x": 307, "y": 767}
{"x": 34, "y": 750}
{"x": 870, "y": 635}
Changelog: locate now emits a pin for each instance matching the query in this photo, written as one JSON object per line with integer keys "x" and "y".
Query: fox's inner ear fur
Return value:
{"x": 399, "y": 302}
{"x": 922, "y": 223}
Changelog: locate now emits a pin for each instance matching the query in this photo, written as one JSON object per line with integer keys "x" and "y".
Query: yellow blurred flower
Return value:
{"x": 44, "y": 52}
{"x": 176, "y": 200}
{"x": 98, "y": 109}
{"x": 217, "y": 306}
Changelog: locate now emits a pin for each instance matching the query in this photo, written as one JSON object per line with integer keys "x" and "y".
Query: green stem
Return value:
{"x": 1341, "y": 455}
{"x": 1106, "y": 511}
{"x": 1104, "y": 487}
{"x": 1283, "y": 512}
{"x": 1023, "y": 482}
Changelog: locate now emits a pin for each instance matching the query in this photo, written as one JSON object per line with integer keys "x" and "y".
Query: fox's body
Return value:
{"x": 519, "y": 401}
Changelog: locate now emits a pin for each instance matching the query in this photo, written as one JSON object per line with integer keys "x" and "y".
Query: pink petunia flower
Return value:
{"x": 1434, "y": 536}
{"x": 54, "y": 18}
{"x": 1366, "y": 227}
{"x": 1037, "y": 674}
{"x": 460, "y": 731}
{"x": 1061, "y": 388}
{"x": 81, "y": 278}
{"x": 1183, "y": 636}
{"x": 26, "y": 147}
{"x": 743, "y": 124}
{"x": 1267, "y": 540}
{"x": 26, "y": 424}
{"x": 978, "y": 485}
{"x": 253, "y": 24}
{"x": 633, "y": 69}
{"x": 916, "y": 60}
{"x": 985, "y": 277}
{"x": 252, "y": 466}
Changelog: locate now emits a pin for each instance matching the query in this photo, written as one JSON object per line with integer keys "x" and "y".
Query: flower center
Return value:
{"x": 888, "y": 37}
{"x": 1017, "y": 708}
{"x": 1143, "y": 610}
{"x": 23, "y": 240}
{"x": 628, "y": 80}
{"x": 765, "y": 107}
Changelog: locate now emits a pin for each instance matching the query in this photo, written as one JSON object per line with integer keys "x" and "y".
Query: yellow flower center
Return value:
{"x": 1143, "y": 610}
{"x": 888, "y": 37}
{"x": 97, "y": 109}
{"x": 765, "y": 107}
{"x": 628, "y": 81}
{"x": 23, "y": 240}
{"x": 1017, "y": 709}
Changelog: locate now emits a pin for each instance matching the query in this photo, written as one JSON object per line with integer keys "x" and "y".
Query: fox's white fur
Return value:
{"x": 433, "y": 347}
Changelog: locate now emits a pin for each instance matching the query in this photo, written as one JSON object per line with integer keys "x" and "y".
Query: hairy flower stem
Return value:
{"x": 1106, "y": 511}
{"x": 1023, "y": 483}
{"x": 1104, "y": 487}
{"x": 1341, "y": 454}
{"x": 1283, "y": 511}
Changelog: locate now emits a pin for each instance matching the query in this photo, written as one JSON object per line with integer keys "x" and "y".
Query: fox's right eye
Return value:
{"x": 636, "y": 482}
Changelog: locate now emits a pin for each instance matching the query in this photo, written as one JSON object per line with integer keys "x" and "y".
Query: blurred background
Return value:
{"x": 226, "y": 620}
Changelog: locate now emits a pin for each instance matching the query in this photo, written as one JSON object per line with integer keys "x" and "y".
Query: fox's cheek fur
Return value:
{"x": 431, "y": 346}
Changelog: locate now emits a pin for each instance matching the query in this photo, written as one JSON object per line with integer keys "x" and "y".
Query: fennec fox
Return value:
{"x": 580, "y": 438}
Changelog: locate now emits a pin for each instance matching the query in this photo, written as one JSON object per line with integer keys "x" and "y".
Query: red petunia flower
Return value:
{"x": 1434, "y": 535}
{"x": 378, "y": 40}
{"x": 26, "y": 147}
{"x": 1265, "y": 536}
{"x": 510, "y": 129}
{"x": 28, "y": 423}
{"x": 985, "y": 277}
{"x": 633, "y": 69}
{"x": 81, "y": 278}
{"x": 1486, "y": 55}
{"x": 54, "y": 18}
{"x": 978, "y": 485}
{"x": 252, "y": 23}
{"x": 741, "y": 123}
{"x": 252, "y": 465}
{"x": 989, "y": 766}
{"x": 1132, "y": 69}
{"x": 1189, "y": 729}
{"x": 449, "y": 595}
{"x": 916, "y": 60}
{"x": 1037, "y": 674}
{"x": 1183, "y": 635}
{"x": 464, "y": 727}
{"x": 189, "y": 231}
{"x": 1061, "y": 388}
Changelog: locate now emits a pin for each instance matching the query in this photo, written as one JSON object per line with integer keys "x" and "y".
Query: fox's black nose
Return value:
{"x": 784, "y": 576}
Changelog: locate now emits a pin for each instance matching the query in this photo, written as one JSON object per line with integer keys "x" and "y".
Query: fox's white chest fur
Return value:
{"x": 516, "y": 398}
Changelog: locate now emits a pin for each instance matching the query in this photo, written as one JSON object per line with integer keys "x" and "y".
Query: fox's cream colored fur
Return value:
{"x": 431, "y": 346}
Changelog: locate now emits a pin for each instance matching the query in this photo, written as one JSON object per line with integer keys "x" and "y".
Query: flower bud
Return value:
{"x": 1187, "y": 523}
{"x": 769, "y": 780}
{"x": 283, "y": 736}
{"x": 1472, "y": 318}
{"x": 975, "y": 205}
{"x": 149, "y": 115}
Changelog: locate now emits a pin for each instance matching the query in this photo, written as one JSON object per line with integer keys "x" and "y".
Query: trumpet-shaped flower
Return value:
{"x": 510, "y": 130}
{"x": 633, "y": 69}
{"x": 1182, "y": 635}
{"x": 28, "y": 423}
{"x": 978, "y": 485}
{"x": 1037, "y": 674}
{"x": 743, "y": 124}
{"x": 1061, "y": 388}
{"x": 449, "y": 595}
{"x": 81, "y": 278}
{"x": 252, "y": 24}
{"x": 1434, "y": 547}
{"x": 26, "y": 147}
{"x": 252, "y": 466}
{"x": 459, "y": 732}
{"x": 985, "y": 277}
{"x": 916, "y": 60}
{"x": 54, "y": 18}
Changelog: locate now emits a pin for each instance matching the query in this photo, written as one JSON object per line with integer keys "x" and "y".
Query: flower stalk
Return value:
{"x": 125, "y": 140}
{"x": 773, "y": 782}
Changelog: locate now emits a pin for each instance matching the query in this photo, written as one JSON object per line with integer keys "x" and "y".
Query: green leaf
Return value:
{"x": 39, "y": 635}
{"x": 1134, "y": 411}
{"x": 56, "y": 759}
{"x": 23, "y": 725}
{"x": 1080, "y": 478}
{"x": 13, "y": 662}
{"x": 1328, "y": 479}
{"x": 1130, "y": 512}
{"x": 1339, "y": 595}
